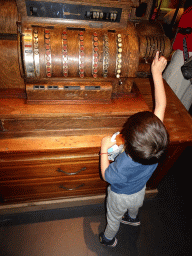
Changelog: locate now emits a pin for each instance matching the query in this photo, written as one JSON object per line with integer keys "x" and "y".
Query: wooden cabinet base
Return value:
{"x": 49, "y": 154}
{"x": 61, "y": 203}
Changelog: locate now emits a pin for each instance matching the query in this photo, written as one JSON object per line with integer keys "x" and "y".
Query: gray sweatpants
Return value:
{"x": 117, "y": 205}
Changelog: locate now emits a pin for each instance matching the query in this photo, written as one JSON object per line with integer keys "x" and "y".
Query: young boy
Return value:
{"x": 146, "y": 139}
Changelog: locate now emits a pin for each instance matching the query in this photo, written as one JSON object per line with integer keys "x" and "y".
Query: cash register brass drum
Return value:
{"x": 80, "y": 53}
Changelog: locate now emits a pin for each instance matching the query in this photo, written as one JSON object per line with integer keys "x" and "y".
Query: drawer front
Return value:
{"x": 76, "y": 167}
{"x": 50, "y": 179}
{"x": 51, "y": 188}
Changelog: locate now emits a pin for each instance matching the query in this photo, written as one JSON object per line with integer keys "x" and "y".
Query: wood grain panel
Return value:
{"x": 64, "y": 124}
{"x": 65, "y": 170}
{"x": 52, "y": 189}
{"x": 8, "y": 17}
{"x": 10, "y": 76}
{"x": 16, "y": 108}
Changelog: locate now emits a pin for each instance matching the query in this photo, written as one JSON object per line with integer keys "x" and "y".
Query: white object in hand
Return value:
{"x": 113, "y": 139}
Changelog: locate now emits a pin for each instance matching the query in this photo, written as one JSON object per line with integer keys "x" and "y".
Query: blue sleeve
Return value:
{"x": 114, "y": 175}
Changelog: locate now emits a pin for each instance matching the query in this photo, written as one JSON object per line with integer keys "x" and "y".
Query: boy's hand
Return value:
{"x": 158, "y": 64}
{"x": 106, "y": 143}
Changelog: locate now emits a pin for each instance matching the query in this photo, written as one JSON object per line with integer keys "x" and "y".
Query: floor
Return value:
{"x": 164, "y": 230}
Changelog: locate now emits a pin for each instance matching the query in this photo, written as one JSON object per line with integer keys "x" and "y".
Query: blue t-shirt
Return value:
{"x": 126, "y": 176}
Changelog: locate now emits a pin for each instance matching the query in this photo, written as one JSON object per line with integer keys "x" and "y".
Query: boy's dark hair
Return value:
{"x": 146, "y": 138}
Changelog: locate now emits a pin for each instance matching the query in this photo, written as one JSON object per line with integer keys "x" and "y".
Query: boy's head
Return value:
{"x": 146, "y": 138}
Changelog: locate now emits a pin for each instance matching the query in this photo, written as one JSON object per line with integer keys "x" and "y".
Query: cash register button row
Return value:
{"x": 48, "y": 53}
{"x": 65, "y": 53}
{"x": 95, "y": 55}
{"x": 119, "y": 56}
{"x": 81, "y": 54}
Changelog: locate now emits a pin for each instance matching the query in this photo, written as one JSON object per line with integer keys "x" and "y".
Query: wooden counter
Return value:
{"x": 50, "y": 152}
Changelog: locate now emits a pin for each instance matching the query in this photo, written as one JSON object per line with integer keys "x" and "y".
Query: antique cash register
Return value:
{"x": 83, "y": 51}
{"x": 68, "y": 78}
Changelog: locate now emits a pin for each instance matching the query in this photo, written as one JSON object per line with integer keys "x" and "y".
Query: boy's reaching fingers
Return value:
{"x": 163, "y": 60}
{"x": 157, "y": 55}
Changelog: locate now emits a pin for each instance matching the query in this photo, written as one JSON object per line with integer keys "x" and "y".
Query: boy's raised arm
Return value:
{"x": 157, "y": 68}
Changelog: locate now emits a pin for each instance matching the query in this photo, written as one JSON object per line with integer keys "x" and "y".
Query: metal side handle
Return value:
{"x": 71, "y": 173}
{"x": 75, "y": 188}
